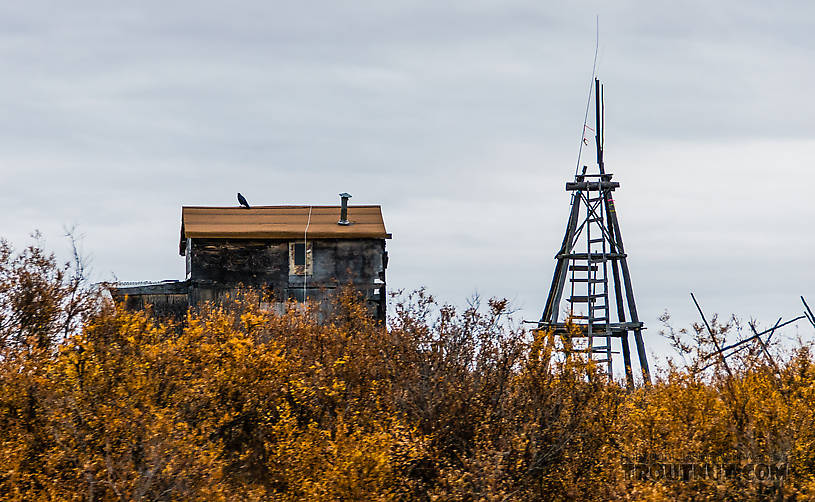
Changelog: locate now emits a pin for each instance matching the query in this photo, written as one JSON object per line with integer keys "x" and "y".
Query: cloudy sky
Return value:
{"x": 462, "y": 119}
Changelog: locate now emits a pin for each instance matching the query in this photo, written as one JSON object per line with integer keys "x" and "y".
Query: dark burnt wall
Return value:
{"x": 162, "y": 305}
{"x": 229, "y": 262}
{"x": 338, "y": 262}
{"x": 262, "y": 262}
{"x": 167, "y": 300}
{"x": 215, "y": 266}
{"x": 344, "y": 261}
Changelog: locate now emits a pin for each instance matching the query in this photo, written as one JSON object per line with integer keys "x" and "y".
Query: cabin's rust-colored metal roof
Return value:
{"x": 280, "y": 222}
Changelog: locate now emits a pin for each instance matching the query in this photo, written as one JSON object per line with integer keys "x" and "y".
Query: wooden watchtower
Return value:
{"x": 591, "y": 274}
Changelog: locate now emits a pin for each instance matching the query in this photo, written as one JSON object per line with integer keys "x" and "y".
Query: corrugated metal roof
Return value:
{"x": 280, "y": 222}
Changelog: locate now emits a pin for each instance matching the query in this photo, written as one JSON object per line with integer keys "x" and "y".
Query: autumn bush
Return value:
{"x": 235, "y": 402}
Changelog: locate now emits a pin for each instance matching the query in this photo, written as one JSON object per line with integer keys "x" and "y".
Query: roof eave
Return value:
{"x": 283, "y": 236}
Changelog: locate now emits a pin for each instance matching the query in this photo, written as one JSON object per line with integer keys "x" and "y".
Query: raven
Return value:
{"x": 242, "y": 201}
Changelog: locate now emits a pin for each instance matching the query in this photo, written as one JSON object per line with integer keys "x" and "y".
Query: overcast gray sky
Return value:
{"x": 462, "y": 119}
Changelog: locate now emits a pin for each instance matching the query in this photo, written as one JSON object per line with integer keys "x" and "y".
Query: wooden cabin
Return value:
{"x": 292, "y": 252}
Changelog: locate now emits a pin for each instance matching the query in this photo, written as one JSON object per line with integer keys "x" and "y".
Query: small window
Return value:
{"x": 299, "y": 254}
{"x": 300, "y": 260}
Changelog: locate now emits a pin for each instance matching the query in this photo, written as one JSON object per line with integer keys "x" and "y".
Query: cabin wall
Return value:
{"x": 231, "y": 262}
{"x": 216, "y": 266}
{"x": 162, "y": 305}
{"x": 338, "y": 262}
{"x": 166, "y": 299}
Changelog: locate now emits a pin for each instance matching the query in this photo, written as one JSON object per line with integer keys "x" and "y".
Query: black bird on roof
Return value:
{"x": 242, "y": 201}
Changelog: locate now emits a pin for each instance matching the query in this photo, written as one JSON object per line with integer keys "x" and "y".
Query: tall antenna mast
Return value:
{"x": 598, "y": 122}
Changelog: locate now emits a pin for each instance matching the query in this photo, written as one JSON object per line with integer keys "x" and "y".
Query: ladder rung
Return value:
{"x": 584, "y": 334}
{"x": 583, "y": 268}
{"x": 583, "y": 279}
{"x": 590, "y": 319}
{"x": 592, "y": 241}
{"x": 593, "y": 220}
{"x": 594, "y": 351}
{"x": 584, "y": 299}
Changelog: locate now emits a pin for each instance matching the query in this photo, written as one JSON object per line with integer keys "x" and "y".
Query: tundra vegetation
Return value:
{"x": 235, "y": 402}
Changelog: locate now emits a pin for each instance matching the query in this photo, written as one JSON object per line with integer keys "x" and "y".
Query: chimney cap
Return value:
{"x": 345, "y": 195}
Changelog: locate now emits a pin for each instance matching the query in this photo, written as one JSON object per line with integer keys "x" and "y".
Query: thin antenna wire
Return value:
{"x": 305, "y": 261}
{"x": 591, "y": 86}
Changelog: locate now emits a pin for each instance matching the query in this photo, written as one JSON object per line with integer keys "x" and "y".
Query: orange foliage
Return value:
{"x": 238, "y": 403}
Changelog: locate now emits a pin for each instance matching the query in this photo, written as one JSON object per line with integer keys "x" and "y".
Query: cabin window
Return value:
{"x": 300, "y": 259}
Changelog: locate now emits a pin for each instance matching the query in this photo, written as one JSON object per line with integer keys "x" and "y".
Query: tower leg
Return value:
{"x": 618, "y": 294}
{"x": 646, "y": 373}
{"x": 550, "y": 312}
{"x": 629, "y": 294}
{"x": 629, "y": 374}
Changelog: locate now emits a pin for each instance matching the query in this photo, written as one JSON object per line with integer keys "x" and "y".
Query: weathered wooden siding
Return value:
{"x": 216, "y": 266}
{"x": 227, "y": 262}
{"x": 167, "y": 299}
{"x": 338, "y": 262}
